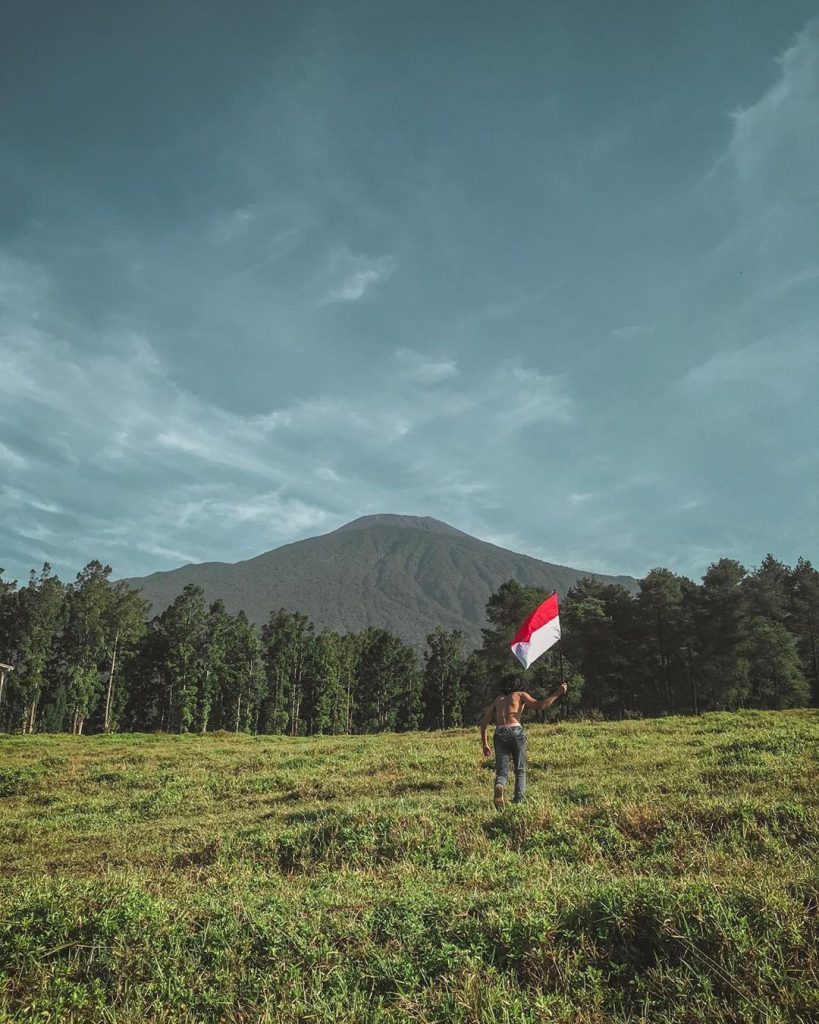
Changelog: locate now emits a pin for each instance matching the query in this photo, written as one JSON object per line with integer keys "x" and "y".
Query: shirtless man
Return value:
{"x": 509, "y": 738}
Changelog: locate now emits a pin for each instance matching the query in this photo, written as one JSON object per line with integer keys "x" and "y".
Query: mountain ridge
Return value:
{"x": 404, "y": 573}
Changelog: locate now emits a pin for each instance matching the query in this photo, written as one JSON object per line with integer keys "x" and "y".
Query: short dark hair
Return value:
{"x": 512, "y": 681}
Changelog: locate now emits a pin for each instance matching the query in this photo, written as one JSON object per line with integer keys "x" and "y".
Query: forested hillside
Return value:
{"x": 405, "y": 574}
{"x": 84, "y": 657}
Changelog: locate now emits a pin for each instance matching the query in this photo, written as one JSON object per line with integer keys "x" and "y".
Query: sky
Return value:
{"x": 546, "y": 271}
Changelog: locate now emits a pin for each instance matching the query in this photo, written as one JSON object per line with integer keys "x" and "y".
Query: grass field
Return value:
{"x": 661, "y": 871}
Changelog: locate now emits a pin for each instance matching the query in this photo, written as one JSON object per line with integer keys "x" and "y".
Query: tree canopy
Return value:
{"x": 86, "y": 658}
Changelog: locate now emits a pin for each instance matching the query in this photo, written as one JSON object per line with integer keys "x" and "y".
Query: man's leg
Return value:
{"x": 502, "y": 753}
{"x": 519, "y": 757}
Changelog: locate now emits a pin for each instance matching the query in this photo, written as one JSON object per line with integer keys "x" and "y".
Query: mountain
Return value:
{"x": 407, "y": 574}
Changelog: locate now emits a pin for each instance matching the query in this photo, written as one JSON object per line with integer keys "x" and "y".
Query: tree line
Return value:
{"x": 85, "y": 656}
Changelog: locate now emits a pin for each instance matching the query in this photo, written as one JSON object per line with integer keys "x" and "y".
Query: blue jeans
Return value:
{"x": 510, "y": 741}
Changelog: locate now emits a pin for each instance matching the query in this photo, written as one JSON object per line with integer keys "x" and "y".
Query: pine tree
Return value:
{"x": 770, "y": 659}
{"x": 42, "y": 617}
{"x": 721, "y": 614}
{"x": 213, "y": 701}
{"x": 85, "y": 641}
{"x": 183, "y": 627}
{"x": 9, "y": 634}
{"x": 803, "y": 604}
{"x": 286, "y": 643}
{"x": 388, "y": 684}
{"x": 662, "y": 626}
{"x": 443, "y": 687}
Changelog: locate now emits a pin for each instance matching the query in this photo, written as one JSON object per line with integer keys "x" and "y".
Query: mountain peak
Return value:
{"x": 406, "y": 574}
{"x": 426, "y": 523}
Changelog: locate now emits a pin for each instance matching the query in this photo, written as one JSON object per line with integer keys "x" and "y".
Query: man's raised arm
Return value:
{"x": 531, "y": 704}
{"x": 487, "y": 718}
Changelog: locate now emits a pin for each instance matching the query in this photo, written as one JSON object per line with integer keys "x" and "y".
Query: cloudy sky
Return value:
{"x": 547, "y": 271}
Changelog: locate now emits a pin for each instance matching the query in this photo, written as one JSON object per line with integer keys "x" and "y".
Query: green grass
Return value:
{"x": 661, "y": 871}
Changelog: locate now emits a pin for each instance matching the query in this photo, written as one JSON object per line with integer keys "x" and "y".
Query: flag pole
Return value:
{"x": 560, "y": 655}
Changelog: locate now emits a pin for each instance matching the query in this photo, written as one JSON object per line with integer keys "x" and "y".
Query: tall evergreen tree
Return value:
{"x": 721, "y": 614}
{"x": 332, "y": 683}
{"x": 183, "y": 627}
{"x": 769, "y": 656}
{"x": 41, "y": 620}
{"x": 146, "y": 680}
{"x": 388, "y": 690}
{"x": 804, "y": 619}
{"x": 590, "y": 643}
{"x": 663, "y": 629}
{"x": 9, "y": 633}
{"x": 247, "y": 672}
{"x": 214, "y": 698}
{"x": 124, "y": 627}
{"x": 768, "y": 590}
{"x": 443, "y": 691}
{"x": 287, "y": 639}
{"x": 85, "y": 641}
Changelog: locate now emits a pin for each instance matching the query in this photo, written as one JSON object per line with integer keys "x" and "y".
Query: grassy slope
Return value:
{"x": 661, "y": 871}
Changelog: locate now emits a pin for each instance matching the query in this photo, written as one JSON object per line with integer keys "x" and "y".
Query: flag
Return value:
{"x": 538, "y": 633}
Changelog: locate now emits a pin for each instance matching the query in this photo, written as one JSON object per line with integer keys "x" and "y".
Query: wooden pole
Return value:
{"x": 559, "y": 648}
{"x": 3, "y": 670}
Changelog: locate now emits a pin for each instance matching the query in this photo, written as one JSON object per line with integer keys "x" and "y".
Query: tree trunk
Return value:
{"x": 107, "y": 723}
{"x": 694, "y": 696}
{"x": 205, "y": 705}
{"x": 238, "y": 712}
{"x": 815, "y": 660}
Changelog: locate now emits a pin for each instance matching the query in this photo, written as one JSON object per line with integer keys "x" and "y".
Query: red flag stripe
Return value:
{"x": 540, "y": 616}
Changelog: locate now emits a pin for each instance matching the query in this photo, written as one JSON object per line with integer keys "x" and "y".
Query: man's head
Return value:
{"x": 512, "y": 681}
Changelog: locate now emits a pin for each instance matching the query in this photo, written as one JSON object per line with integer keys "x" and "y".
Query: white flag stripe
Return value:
{"x": 541, "y": 640}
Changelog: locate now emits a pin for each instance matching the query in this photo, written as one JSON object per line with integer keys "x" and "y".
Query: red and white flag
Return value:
{"x": 538, "y": 633}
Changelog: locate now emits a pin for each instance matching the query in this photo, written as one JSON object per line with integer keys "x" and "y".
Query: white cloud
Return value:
{"x": 10, "y": 458}
{"x": 807, "y": 276}
{"x": 232, "y": 225}
{"x": 143, "y": 468}
{"x": 266, "y": 508}
{"x": 13, "y": 496}
{"x": 415, "y": 367}
{"x": 171, "y": 555}
{"x": 632, "y": 331}
{"x": 354, "y": 287}
{"x": 774, "y": 148}
{"x": 786, "y": 364}
{"x": 35, "y": 531}
{"x": 524, "y": 396}
{"x": 359, "y": 275}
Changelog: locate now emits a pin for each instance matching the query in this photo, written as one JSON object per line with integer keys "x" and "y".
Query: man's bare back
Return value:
{"x": 509, "y": 738}
{"x": 508, "y": 708}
